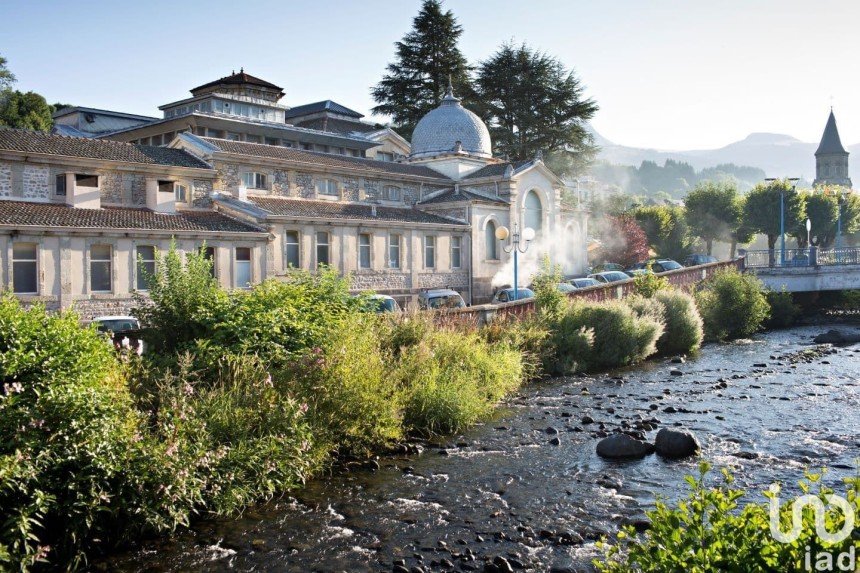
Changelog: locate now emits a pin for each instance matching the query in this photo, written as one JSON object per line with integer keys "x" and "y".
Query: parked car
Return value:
{"x": 635, "y": 272}
{"x": 124, "y": 331}
{"x": 507, "y": 295}
{"x": 604, "y": 267}
{"x": 657, "y": 265}
{"x": 698, "y": 259}
{"x": 584, "y": 282}
{"x": 565, "y": 287}
{"x": 382, "y": 303}
{"x": 610, "y": 276}
{"x": 440, "y": 298}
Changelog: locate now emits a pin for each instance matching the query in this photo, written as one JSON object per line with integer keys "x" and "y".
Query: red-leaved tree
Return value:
{"x": 624, "y": 241}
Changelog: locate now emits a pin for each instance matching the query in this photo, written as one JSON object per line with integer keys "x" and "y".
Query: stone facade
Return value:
{"x": 305, "y": 185}
{"x": 87, "y": 309}
{"x": 201, "y": 193}
{"x": 381, "y": 281}
{"x": 350, "y": 189}
{"x": 5, "y": 180}
{"x": 35, "y": 180}
{"x": 111, "y": 187}
{"x": 488, "y": 189}
{"x": 458, "y": 280}
{"x": 281, "y": 183}
{"x": 372, "y": 190}
{"x": 228, "y": 178}
{"x": 137, "y": 183}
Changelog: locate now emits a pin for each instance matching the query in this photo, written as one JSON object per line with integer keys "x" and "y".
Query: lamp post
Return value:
{"x": 794, "y": 181}
{"x": 519, "y": 244}
{"x": 839, "y": 220}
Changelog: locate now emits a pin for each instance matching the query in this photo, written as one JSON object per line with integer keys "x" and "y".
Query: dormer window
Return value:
{"x": 391, "y": 193}
{"x": 180, "y": 191}
{"x": 327, "y": 187}
{"x": 254, "y": 180}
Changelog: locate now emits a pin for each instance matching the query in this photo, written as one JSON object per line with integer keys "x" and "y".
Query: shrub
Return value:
{"x": 354, "y": 402}
{"x": 710, "y": 531}
{"x": 549, "y": 301}
{"x": 529, "y": 334}
{"x": 405, "y": 330}
{"x": 732, "y": 305}
{"x": 648, "y": 284}
{"x": 620, "y": 336}
{"x": 453, "y": 379}
{"x": 684, "y": 329}
{"x": 784, "y": 312}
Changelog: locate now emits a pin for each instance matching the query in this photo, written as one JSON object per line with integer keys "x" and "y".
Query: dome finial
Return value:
{"x": 450, "y": 90}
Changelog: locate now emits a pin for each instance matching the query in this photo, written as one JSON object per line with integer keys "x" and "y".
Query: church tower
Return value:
{"x": 831, "y": 159}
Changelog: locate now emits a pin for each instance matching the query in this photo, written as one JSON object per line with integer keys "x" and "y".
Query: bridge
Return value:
{"x": 806, "y": 270}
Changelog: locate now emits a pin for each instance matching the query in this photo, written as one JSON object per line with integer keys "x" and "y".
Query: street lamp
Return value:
{"x": 794, "y": 181}
{"x": 841, "y": 201}
{"x": 519, "y": 244}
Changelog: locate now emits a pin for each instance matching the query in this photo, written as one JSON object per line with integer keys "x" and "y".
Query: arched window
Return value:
{"x": 492, "y": 242}
{"x": 533, "y": 216}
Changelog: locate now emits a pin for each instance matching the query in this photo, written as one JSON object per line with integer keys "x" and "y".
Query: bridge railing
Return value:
{"x": 810, "y": 257}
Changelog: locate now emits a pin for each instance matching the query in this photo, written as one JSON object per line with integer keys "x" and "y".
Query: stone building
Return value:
{"x": 266, "y": 188}
{"x": 831, "y": 159}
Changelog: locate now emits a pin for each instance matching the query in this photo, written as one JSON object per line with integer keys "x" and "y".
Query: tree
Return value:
{"x": 762, "y": 210}
{"x": 714, "y": 212}
{"x": 25, "y": 111}
{"x": 532, "y": 103}
{"x": 7, "y": 78}
{"x": 823, "y": 213}
{"x": 666, "y": 229}
{"x": 427, "y": 57}
{"x": 624, "y": 241}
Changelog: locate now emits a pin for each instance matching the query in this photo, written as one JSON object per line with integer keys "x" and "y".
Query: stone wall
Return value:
{"x": 201, "y": 193}
{"x": 442, "y": 280}
{"x": 87, "y": 309}
{"x": 380, "y": 281}
{"x": 110, "y": 185}
{"x": 305, "y": 185}
{"x": 228, "y": 178}
{"x": 5, "y": 180}
{"x": 35, "y": 180}
{"x": 281, "y": 183}
{"x": 351, "y": 189}
{"x": 486, "y": 189}
{"x": 137, "y": 184}
{"x": 372, "y": 190}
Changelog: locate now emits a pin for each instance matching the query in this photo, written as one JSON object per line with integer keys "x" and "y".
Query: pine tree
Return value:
{"x": 533, "y": 103}
{"x": 426, "y": 57}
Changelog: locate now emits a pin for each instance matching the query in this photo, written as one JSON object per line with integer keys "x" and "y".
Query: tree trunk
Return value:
{"x": 771, "y": 245}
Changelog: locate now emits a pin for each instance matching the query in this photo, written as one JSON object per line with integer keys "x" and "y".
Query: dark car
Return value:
{"x": 657, "y": 265}
{"x": 698, "y": 259}
{"x": 584, "y": 282}
{"x": 604, "y": 267}
{"x": 507, "y": 295}
{"x": 610, "y": 276}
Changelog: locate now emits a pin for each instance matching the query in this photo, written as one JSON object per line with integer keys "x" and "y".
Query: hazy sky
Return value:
{"x": 666, "y": 74}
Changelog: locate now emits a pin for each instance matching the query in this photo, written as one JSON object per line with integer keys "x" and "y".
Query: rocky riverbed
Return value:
{"x": 527, "y": 491}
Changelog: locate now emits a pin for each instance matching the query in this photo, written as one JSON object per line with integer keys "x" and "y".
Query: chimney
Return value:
{"x": 373, "y": 210}
{"x": 160, "y": 196}
{"x": 82, "y": 191}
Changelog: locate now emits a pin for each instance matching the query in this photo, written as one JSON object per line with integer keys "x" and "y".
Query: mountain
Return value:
{"x": 777, "y": 154}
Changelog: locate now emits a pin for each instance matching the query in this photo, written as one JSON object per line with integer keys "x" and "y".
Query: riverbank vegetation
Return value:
{"x": 246, "y": 394}
{"x": 719, "y": 528}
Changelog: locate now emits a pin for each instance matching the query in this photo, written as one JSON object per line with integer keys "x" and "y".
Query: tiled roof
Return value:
{"x": 318, "y": 158}
{"x": 496, "y": 169}
{"x": 239, "y": 79}
{"x": 316, "y": 107}
{"x": 449, "y": 195}
{"x": 336, "y": 125}
{"x": 37, "y": 142}
{"x": 26, "y": 214}
{"x": 336, "y": 210}
{"x": 830, "y": 142}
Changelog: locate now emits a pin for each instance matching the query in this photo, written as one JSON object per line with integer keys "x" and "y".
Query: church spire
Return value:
{"x": 830, "y": 142}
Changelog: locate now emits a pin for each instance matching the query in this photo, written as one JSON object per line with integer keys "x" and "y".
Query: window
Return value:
{"x": 233, "y": 136}
{"x": 180, "y": 191}
{"x": 292, "y": 248}
{"x": 25, "y": 268}
{"x": 165, "y": 186}
{"x": 252, "y": 138}
{"x": 253, "y": 180}
{"x": 394, "y": 251}
{"x": 391, "y": 193}
{"x": 100, "y": 268}
{"x": 272, "y": 141}
{"x": 364, "y": 250}
{"x": 327, "y": 187}
{"x": 86, "y": 180}
{"x": 145, "y": 265}
{"x": 308, "y": 146}
{"x": 492, "y": 242}
{"x": 243, "y": 267}
{"x": 533, "y": 212}
{"x": 322, "y": 248}
{"x": 383, "y": 156}
{"x": 60, "y": 185}
{"x": 209, "y": 254}
{"x": 456, "y": 252}
{"x": 156, "y": 140}
{"x": 429, "y": 252}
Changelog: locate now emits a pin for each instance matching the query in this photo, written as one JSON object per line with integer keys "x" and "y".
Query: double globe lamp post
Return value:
{"x": 519, "y": 244}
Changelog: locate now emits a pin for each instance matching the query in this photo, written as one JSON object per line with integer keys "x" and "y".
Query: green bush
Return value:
{"x": 570, "y": 345}
{"x": 784, "y": 312}
{"x": 648, "y": 284}
{"x": 549, "y": 301}
{"x": 452, "y": 379}
{"x": 732, "y": 305}
{"x": 684, "y": 328}
{"x": 354, "y": 401}
{"x": 711, "y": 531}
{"x": 620, "y": 336}
{"x": 529, "y": 334}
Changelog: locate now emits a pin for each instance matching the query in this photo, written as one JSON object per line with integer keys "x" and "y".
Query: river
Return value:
{"x": 528, "y": 486}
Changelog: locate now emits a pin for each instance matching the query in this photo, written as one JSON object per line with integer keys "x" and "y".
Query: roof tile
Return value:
{"x": 336, "y": 210}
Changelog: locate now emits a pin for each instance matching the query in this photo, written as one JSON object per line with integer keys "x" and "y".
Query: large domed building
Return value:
{"x": 451, "y": 121}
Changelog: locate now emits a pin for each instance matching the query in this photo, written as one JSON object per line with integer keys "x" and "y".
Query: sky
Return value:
{"x": 667, "y": 74}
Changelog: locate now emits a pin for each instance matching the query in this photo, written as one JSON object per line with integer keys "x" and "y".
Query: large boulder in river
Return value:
{"x": 622, "y": 446}
{"x": 675, "y": 445}
{"x": 837, "y": 337}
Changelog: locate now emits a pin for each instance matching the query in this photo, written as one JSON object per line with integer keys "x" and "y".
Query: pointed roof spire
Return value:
{"x": 830, "y": 142}
{"x": 449, "y": 93}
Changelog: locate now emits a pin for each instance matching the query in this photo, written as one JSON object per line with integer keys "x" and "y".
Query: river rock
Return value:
{"x": 676, "y": 444}
{"x": 622, "y": 446}
{"x": 837, "y": 337}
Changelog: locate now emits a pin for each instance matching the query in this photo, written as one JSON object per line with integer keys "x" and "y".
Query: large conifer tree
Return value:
{"x": 426, "y": 57}
{"x": 533, "y": 103}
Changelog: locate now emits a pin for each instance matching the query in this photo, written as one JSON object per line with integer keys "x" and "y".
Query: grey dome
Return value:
{"x": 441, "y": 129}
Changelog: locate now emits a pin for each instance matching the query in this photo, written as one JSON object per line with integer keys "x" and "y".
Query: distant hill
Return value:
{"x": 777, "y": 154}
